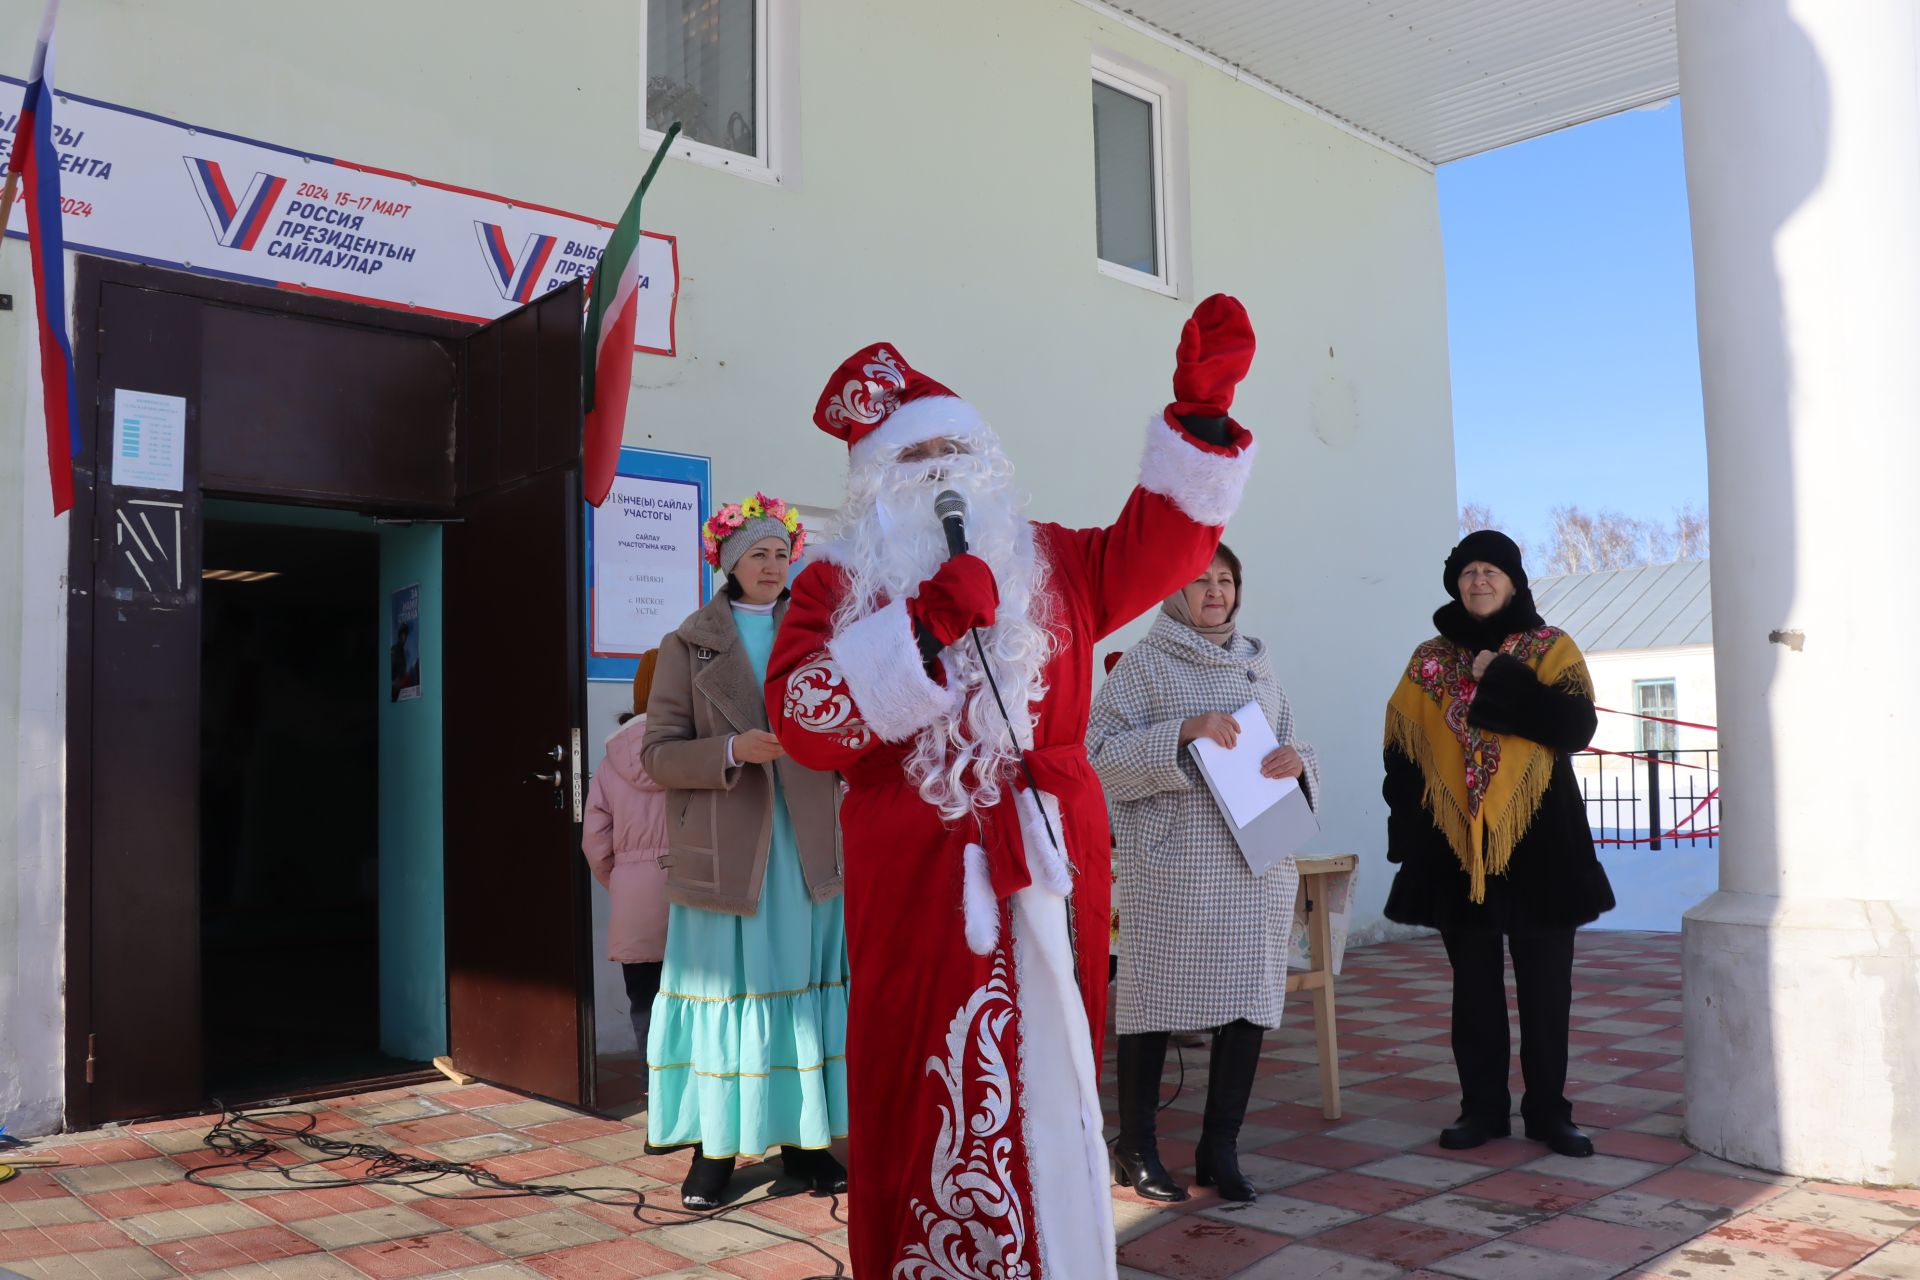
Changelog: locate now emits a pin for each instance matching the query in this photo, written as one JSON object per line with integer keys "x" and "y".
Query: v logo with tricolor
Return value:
{"x": 237, "y": 224}
{"x": 515, "y": 278}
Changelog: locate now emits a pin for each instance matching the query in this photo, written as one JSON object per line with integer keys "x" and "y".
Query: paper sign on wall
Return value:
{"x": 645, "y": 569}
{"x": 149, "y": 440}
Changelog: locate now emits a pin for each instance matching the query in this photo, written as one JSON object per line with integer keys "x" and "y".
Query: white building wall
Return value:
{"x": 1654, "y": 888}
{"x": 1690, "y": 667}
{"x": 942, "y": 199}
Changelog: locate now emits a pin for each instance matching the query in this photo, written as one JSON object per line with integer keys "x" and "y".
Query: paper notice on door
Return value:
{"x": 1235, "y": 773}
{"x": 149, "y": 441}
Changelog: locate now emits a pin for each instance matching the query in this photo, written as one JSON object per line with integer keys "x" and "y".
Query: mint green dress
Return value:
{"x": 748, "y": 1045}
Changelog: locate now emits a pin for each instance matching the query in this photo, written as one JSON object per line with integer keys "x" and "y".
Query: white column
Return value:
{"x": 1802, "y": 122}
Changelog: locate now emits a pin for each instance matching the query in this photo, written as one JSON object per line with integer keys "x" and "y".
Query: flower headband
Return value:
{"x": 729, "y": 520}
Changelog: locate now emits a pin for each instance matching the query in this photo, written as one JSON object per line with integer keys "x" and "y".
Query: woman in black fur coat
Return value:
{"x": 1485, "y": 818}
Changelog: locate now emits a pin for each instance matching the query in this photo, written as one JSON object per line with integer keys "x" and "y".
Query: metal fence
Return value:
{"x": 1660, "y": 799}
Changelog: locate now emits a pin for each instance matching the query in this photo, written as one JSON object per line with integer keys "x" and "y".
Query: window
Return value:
{"x": 1130, "y": 168}
{"x": 718, "y": 67}
{"x": 1656, "y": 698}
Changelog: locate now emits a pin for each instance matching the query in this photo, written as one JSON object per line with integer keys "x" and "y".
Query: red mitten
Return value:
{"x": 1216, "y": 350}
{"x": 962, "y": 595}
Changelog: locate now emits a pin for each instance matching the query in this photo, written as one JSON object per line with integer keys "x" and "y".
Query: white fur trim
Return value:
{"x": 920, "y": 420}
{"x": 1046, "y": 856}
{"x": 981, "y": 905}
{"x": 1059, "y": 1097}
{"x": 880, "y": 661}
{"x": 1207, "y": 486}
{"x": 638, "y": 722}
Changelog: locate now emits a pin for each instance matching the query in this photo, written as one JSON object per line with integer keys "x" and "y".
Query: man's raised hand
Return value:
{"x": 1215, "y": 352}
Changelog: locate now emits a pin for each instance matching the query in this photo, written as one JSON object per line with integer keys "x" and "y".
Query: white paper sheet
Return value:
{"x": 149, "y": 440}
{"x": 1235, "y": 774}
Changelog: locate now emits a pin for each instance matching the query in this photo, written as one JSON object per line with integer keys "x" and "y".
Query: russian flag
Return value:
{"x": 36, "y": 162}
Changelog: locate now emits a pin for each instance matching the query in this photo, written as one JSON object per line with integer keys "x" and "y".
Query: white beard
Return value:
{"x": 889, "y": 542}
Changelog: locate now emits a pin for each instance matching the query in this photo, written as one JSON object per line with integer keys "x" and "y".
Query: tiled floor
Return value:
{"x": 1367, "y": 1197}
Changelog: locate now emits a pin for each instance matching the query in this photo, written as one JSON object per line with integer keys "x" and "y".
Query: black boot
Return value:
{"x": 1470, "y": 1131}
{"x": 706, "y": 1184}
{"x": 1136, "y": 1154}
{"x": 1562, "y": 1137}
{"x": 1236, "y": 1061}
{"x": 827, "y": 1175}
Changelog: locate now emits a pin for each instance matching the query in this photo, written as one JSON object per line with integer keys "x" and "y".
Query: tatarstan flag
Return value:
{"x": 607, "y": 348}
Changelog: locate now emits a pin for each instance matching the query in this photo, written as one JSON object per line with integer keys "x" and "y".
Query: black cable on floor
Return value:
{"x": 250, "y": 1137}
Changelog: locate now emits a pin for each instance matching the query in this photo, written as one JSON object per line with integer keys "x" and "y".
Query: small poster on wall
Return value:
{"x": 645, "y": 573}
{"x": 403, "y": 645}
{"x": 149, "y": 440}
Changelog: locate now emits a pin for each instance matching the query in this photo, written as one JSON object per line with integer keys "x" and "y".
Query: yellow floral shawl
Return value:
{"x": 1482, "y": 788}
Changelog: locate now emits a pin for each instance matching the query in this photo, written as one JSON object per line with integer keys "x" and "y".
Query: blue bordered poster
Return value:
{"x": 645, "y": 572}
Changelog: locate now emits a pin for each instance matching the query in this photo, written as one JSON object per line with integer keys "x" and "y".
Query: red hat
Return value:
{"x": 877, "y": 401}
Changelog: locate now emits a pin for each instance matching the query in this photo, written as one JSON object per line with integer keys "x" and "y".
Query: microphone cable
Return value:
{"x": 950, "y": 506}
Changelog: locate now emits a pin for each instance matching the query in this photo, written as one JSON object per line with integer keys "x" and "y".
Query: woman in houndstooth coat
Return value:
{"x": 1203, "y": 942}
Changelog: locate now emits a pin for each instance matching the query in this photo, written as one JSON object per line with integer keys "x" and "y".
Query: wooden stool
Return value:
{"x": 1319, "y": 979}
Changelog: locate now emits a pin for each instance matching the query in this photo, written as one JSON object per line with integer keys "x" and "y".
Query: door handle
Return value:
{"x": 555, "y": 779}
{"x": 557, "y": 754}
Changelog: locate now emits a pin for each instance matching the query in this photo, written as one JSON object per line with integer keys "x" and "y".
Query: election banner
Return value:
{"x": 145, "y": 188}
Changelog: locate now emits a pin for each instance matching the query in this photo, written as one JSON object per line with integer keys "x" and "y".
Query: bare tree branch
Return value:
{"x": 1475, "y": 516}
{"x": 1583, "y": 542}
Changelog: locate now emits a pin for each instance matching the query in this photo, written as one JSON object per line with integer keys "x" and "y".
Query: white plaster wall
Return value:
{"x": 32, "y": 753}
{"x": 944, "y": 202}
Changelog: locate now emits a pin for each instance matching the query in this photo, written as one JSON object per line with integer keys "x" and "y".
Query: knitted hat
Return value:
{"x": 1488, "y": 546}
{"x": 735, "y": 528}
{"x": 643, "y": 681}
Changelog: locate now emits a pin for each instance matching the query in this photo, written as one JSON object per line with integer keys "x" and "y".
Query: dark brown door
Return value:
{"x": 518, "y": 990}
{"x": 135, "y": 804}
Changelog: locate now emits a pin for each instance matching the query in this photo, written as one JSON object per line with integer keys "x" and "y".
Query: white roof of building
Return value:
{"x": 1436, "y": 80}
{"x": 1656, "y": 606}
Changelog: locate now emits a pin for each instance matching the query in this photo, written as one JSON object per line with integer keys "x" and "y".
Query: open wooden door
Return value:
{"x": 134, "y": 790}
{"x": 518, "y": 992}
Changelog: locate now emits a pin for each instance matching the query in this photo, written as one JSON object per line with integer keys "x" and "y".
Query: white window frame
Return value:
{"x": 775, "y": 105}
{"x": 1651, "y": 728}
{"x": 1168, "y": 230}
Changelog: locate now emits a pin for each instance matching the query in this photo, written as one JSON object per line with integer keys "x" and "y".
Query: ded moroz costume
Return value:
{"x": 977, "y": 876}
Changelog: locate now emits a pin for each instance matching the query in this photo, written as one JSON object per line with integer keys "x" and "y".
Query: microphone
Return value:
{"x": 951, "y": 507}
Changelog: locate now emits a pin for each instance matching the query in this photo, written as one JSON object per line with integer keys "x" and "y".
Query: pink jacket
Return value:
{"x": 624, "y": 840}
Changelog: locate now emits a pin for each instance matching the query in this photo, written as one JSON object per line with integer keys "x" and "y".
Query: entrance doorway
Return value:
{"x": 308, "y": 847}
{"x": 290, "y": 807}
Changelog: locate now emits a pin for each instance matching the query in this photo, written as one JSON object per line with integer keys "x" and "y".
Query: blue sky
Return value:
{"x": 1576, "y": 371}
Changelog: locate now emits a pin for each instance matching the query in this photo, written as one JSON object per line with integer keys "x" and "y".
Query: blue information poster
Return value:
{"x": 645, "y": 573}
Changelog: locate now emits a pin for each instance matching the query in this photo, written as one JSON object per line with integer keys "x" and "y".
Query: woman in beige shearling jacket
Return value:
{"x": 719, "y": 810}
{"x": 747, "y": 1044}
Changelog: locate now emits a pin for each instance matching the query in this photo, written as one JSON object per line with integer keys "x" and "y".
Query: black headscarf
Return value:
{"x": 1488, "y": 546}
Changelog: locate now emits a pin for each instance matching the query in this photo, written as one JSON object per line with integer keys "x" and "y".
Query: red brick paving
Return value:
{"x": 22, "y": 1243}
{"x": 417, "y": 1256}
{"x": 1404, "y": 1244}
{"x": 614, "y": 1258}
{"x": 1198, "y": 1248}
{"x": 1198, "y": 1240}
{"x": 1823, "y": 1246}
{"x": 202, "y": 1254}
{"x": 1535, "y": 1191}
